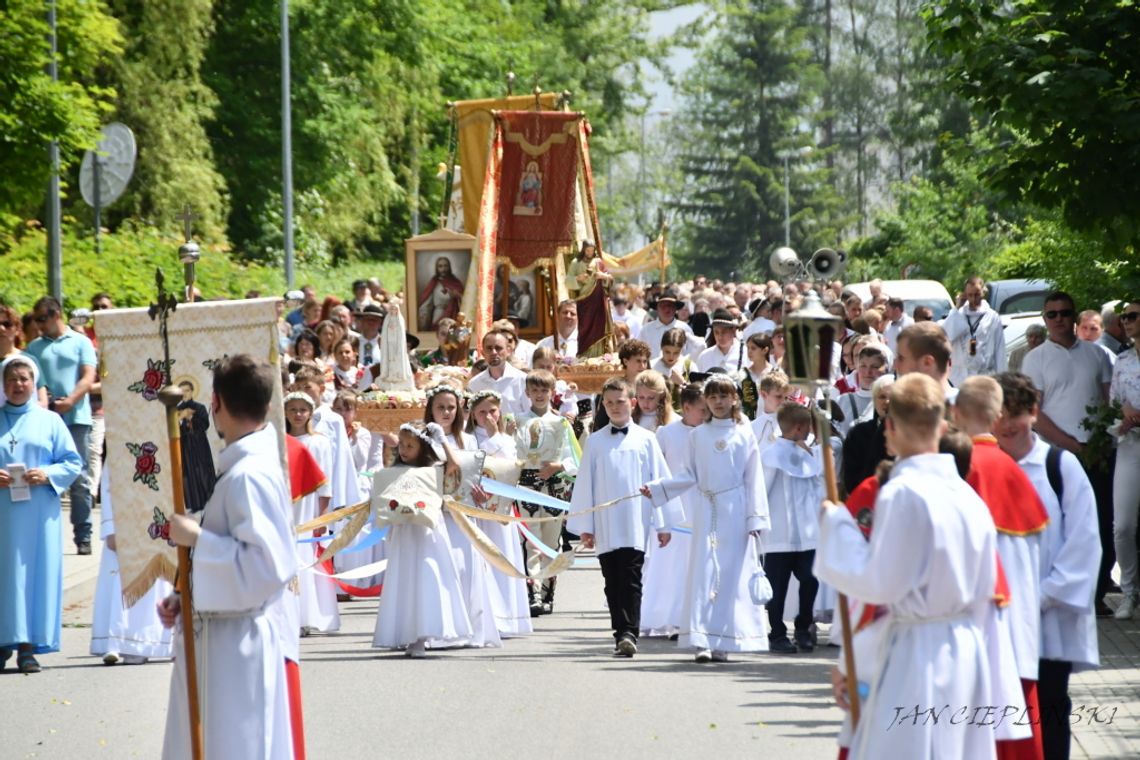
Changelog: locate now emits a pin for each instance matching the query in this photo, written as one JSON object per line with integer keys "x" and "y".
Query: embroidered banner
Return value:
{"x": 133, "y": 370}
{"x": 474, "y": 124}
{"x": 538, "y": 171}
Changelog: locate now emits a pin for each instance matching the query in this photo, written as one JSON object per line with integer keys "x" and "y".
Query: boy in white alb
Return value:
{"x": 794, "y": 478}
{"x": 932, "y": 561}
{"x": 243, "y": 561}
{"x": 1069, "y": 556}
{"x": 774, "y": 388}
{"x": 619, "y": 458}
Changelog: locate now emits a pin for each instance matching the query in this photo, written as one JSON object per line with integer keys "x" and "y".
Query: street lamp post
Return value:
{"x": 787, "y": 155}
{"x": 641, "y": 172}
{"x": 286, "y": 149}
{"x": 54, "y": 213}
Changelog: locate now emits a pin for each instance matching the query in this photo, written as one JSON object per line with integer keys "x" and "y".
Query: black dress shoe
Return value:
{"x": 782, "y": 646}
{"x": 536, "y": 610}
{"x": 1103, "y": 610}
{"x": 83, "y": 547}
{"x": 805, "y": 642}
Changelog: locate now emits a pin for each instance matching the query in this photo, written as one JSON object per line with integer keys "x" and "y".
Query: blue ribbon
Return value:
{"x": 371, "y": 539}
{"x": 519, "y": 493}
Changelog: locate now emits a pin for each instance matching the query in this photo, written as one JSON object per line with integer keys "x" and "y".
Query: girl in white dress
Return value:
{"x": 666, "y": 570}
{"x": 444, "y": 408}
{"x": 317, "y": 592}
{"x": 653, "y": 408}
{"x": 423, "y": 602}
{"x": 367, "y": 456}
{"x": 367, "y": 450}
{"x": 512, "y": 609}
{"x": 723, "y": 467}
{"x": 134, "y": 634}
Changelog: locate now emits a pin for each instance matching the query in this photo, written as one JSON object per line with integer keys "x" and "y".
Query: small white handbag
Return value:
{"x": 758, "y": 585}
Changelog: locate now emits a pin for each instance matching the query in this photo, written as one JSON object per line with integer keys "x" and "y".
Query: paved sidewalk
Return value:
{"x": 1106, "y": 701}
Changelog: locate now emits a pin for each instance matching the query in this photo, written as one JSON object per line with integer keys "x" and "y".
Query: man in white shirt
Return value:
{"x": 923, "y": 347}
{"x": 500, "y": 376}
{"x": 368, "y": 322}
{"x": 1073, "y": 374}
{"x": 897, "y": 321}
{"x": 727, "y": 351}
{"x": 976, "y": 335}
{"x": 564, "y": 342}
{"x": 651, "y": 332}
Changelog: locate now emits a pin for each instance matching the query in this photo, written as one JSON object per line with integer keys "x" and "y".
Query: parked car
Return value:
{"x": 913, "y": 293}
{"x": 1017, "y": 296}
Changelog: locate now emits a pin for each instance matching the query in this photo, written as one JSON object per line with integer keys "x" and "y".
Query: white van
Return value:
{"x": 914, "y": 293}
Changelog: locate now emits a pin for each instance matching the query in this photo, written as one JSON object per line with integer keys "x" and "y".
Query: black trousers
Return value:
{"x": 1101, "y": 481}
{"x": 1056, "y": 707}
{"x": 780, "y": 567}
{"x": 621, "y": 569}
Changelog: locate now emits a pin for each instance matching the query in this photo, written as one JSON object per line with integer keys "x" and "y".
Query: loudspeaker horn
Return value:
{"x": 825, "y": 264}
{"x": 784, "y": 262}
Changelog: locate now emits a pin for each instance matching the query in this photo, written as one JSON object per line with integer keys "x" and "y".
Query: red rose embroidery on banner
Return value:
{"x": 146, "y": 463}
{"x": 159, "y": 527}
{"x": 157, "y": 370}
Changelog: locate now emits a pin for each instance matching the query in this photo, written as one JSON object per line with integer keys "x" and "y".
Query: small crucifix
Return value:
{"x": 187, "y": 217}
{"x": 161, "y": 310}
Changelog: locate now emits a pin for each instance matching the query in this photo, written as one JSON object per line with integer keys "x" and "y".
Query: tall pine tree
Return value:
{"x": 752, "y": 97}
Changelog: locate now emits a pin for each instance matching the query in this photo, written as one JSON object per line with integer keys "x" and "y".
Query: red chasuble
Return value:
{"x": 1013, "y": 501}
{"x": 305, "y": 475}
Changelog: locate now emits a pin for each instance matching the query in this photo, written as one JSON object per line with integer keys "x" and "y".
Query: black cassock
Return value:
{"x": 198, "y": 475}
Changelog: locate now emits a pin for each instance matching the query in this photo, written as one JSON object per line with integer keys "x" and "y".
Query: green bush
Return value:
{"x": 126, "y": 267}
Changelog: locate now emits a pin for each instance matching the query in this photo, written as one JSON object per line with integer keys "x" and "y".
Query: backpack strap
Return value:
{"x": 1053, "y": 471}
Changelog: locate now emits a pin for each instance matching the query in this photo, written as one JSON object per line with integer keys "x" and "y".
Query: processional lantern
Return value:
{"x": 810, "y": 336}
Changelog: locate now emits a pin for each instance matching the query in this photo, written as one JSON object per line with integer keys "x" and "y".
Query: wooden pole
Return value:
{"x": 170, "y": 396}
{"x": 852, "y": 682}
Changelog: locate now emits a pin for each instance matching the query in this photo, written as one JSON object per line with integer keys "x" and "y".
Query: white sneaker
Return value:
{"x": 703, "y": 656}
{"x": 111, "y": 658}
{"x": 417, "y": 651}
{"x": 719, "y": 656}
{"x": 1126, "y": 609}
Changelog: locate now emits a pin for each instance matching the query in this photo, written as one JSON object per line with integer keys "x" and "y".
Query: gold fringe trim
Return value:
{"x": 159, "y": 566}
{"x": 494, "y": 556}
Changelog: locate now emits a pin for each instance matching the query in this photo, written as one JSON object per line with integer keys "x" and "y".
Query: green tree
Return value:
{"x": 753, "y": 87}
{"x": 1059, "y": 82}
{"x": 33, "y": 109}
{"x": 163, "y": 99}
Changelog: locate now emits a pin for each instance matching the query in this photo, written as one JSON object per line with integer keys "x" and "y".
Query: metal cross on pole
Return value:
{"x": 187, "y": 217}
{"x": 170, "y": 396}
{"x": 188, "y": 252}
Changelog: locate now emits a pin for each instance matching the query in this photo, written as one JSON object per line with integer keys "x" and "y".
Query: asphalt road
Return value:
{"x": 557, "y": 693}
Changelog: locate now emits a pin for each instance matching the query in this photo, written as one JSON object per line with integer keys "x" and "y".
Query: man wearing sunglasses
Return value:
{"x": 67, "y": 363}
{"x": 1071, "y": 375}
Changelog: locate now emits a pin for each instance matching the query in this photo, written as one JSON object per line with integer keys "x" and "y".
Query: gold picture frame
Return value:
{"x": 436, "y": 269}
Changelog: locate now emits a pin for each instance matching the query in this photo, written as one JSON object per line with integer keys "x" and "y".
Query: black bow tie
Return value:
{"x": 616, "y": 430}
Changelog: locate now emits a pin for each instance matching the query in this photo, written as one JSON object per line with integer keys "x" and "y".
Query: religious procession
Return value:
{"x": 571, "y": 446}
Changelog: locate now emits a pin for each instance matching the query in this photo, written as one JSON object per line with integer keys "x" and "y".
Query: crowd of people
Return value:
{"x": 698, "y": 468}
